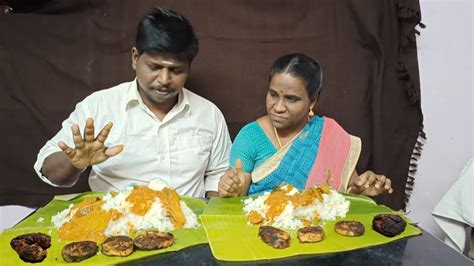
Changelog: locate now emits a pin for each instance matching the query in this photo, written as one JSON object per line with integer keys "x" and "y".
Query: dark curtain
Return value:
{"x": 55, "y": 53}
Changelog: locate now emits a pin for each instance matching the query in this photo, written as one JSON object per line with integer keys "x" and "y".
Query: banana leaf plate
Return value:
{"x": 232, "y": 239}
{"x": 40, "y": 221}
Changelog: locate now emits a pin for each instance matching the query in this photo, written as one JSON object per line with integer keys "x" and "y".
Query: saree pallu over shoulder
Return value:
{"x": 336, "y": 159}
{"x": 321, "y": 152}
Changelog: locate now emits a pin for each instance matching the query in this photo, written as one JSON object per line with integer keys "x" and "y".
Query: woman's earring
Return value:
{"x": 310, "y": 113}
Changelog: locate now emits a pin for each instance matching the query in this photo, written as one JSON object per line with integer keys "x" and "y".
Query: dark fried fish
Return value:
{"x": 349, "y": 228}
{"x": 310, "y": 234}
{"x": 31, "y": 247}
{"x": 389, "y": 224}
{"x": 119, "y": 246}
{"x": 43, "y": 240}
{"x": 79, "y": 251}
{"x": 274, "y": 237}
{"x": 153, "y": 240}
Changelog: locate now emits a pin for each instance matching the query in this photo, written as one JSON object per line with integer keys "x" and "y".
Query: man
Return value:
{"x": 160, "y": 129}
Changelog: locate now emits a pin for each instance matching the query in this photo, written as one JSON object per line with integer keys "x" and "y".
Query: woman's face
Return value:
{"x": 287, "y": 102}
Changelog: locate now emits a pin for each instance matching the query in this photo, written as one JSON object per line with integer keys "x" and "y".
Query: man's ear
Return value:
{"x": 134, "y": 57}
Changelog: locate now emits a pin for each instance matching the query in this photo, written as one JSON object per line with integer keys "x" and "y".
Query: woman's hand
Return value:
{"x": 370, "y": 184}
{"x": 234, "y": 182}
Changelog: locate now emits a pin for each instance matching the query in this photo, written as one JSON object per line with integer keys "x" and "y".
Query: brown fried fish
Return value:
{"x": 79, "y": 251}
{"x": 118, "y": 246}
{"x": 31, "y": 247}
{"x": 389, "y": 224}
{"x": 310, "y": 234}
{"x": 152, "y": 240}
{"x": 349, "y": 228}
{"x": 274, "y": 237}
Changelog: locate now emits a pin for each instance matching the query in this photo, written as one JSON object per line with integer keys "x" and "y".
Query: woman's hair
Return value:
{"x": 302, "y": 67}
{"x": 164, "y": 31}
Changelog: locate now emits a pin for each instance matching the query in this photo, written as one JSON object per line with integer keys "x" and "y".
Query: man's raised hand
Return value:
{"x": 89, "y": 150}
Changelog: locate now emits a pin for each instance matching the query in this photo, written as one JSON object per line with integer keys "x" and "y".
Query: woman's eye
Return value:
{"x": 292, "y": 99}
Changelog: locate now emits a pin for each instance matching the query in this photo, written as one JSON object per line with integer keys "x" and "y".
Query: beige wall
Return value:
{"x": 445, "y": 53}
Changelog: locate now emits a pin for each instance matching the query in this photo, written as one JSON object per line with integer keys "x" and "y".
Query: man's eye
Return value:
{"x": 177, "y": 71}
{"x": 152, "y": 67}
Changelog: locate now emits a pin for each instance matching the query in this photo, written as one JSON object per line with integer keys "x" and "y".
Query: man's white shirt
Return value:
{"x": 191, "y": 142}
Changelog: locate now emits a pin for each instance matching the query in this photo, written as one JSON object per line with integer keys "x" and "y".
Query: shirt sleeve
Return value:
{"x": 78, "y": 116}
{"x": 219, "y": 158}
{"x": 243, "y": 148}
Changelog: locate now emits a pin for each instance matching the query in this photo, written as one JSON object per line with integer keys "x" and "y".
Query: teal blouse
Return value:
{"x": 252, "y": 147}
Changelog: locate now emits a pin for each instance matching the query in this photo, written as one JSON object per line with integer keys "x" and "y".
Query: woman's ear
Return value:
{"x": 312, "y": 103}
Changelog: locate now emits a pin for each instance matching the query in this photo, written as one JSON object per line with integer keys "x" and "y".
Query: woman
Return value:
{"x": 291, "y": 145}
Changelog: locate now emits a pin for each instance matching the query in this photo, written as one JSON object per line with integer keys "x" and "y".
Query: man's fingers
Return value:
{"x": 113, "y": 150}
{"x": 76, "y": 136}
{"x": 66, "y": 149}
{"x": 89, "y": 130}
{"x": 104, "y": 133}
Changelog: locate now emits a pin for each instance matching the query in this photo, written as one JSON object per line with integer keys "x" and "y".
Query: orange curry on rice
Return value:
{"x": 90, "y": 220}
{"x": 278, "y": 199}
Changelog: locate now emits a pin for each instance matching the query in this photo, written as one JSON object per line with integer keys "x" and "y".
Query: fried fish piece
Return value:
{"x": 152, "y": 240}
{"x": 79, "y": 251}
{"x": 43, "y": 240}
{"x": 274, "y": 237}
{"x": 389, "y": 224}
{"x": 349, "y": 228}
{"x": 31, "y": 247}
{"x": 119, "y": 246}
{"x": 310, "y": 234}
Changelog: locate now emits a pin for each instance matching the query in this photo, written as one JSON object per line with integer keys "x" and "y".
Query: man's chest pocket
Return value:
{"x": 192, "y": 154}
{"x": 138, "y": 151}
{"x": 199, "y": 143}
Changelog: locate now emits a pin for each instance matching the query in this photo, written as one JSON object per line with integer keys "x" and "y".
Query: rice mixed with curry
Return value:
{"x": 138, "y": 208}
{"x": 288, "y": 207}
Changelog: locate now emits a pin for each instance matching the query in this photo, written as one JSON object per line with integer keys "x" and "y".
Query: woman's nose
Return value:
{"x": 279, "y": 106}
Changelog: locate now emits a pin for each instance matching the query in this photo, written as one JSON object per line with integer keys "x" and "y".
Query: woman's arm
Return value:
{"x": 369, "y": 183}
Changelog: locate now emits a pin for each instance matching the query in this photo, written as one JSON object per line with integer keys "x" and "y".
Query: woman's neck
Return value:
{"x": 279, "y": 135}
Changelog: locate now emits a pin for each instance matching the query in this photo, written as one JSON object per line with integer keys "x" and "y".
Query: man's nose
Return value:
{"x": 164, "y": 77}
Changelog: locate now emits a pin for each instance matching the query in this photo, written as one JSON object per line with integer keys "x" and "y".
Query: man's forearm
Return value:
{"x": 58, "y": 169}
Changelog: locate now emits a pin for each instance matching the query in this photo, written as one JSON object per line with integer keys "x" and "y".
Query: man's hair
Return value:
{"x": 302, "y": 67}
{"x": 164, "y": 31}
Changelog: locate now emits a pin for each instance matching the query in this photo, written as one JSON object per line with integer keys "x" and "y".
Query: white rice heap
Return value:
{"x": 332, "y": 206}
{"x": 156, "y": 218}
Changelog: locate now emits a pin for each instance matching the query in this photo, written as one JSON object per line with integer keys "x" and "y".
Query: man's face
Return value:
{"x": 160, "y": 77}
